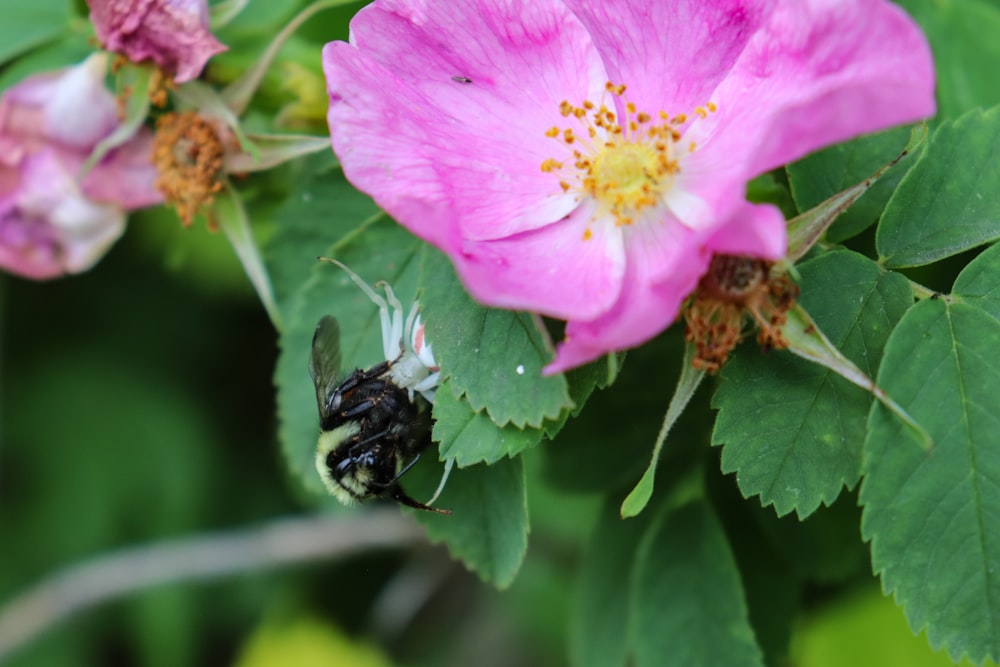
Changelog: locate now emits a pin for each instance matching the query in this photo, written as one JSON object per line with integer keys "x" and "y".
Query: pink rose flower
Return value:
{"x": 50, "y": 222}
{"x": 172, "y": 33}
{"x": 585, "y": 159}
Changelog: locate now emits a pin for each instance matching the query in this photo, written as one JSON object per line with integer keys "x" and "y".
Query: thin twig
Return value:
{"x": 111, "y": 576}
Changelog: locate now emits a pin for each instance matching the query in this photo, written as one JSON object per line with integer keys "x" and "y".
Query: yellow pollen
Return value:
{"x": 626, "y": 163}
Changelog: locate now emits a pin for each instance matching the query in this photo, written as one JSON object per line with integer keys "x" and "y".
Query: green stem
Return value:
{"x": 223, "y": 12}
{"x": 687, "y": 384}
{"x": 920, "y": 292}
{"x": 239, "y": 93}
{"x": 236, "y": 226}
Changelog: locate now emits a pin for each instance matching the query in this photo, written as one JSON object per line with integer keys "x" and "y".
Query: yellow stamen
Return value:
{"x": 626, "y": 164}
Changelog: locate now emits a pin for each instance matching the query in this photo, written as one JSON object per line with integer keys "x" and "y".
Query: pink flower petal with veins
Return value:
{"x": 445, "y": 113}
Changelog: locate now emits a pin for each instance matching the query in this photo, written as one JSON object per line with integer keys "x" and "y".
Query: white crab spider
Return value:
{"x": 405, "y": 347}
{"x": 403, "y": 341}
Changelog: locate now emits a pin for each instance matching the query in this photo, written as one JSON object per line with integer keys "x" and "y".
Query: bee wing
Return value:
{"x": 324, "y": 364}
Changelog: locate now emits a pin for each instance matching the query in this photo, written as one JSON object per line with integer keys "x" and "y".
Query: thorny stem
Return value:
{"x": 108, "y": 577}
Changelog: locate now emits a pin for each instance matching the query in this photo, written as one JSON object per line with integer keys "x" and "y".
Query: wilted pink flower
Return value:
{"x": 50, "y": 222}
{"x": 586, "y": 159}
{"x": 172, "y": 33}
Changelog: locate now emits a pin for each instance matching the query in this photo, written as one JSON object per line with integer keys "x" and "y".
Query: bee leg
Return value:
{"x": 359, "y": 376}
{"x": 407, "y": 467}
{"x": 359, "y": 409}
{"x": 395, "y": 478}
{"x": 397, "y": 494}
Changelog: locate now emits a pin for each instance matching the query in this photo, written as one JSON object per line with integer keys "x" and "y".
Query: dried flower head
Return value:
{"x": 188, "y": 154}
{"x": 737, "y": 292}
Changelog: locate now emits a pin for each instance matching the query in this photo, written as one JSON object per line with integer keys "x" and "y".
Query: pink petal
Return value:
{"x": 645, "y": 307}
{"x": 552, "y": 270}
{"x": 753, "y": 230}
{"x": 47, "y": 108}
{"x": 403, "y": 127}
{"x": 819, "y": 72}
{"x": 126, "y": 177}
{"x": 47, "y": 227}
{"x": 671, "y": 54}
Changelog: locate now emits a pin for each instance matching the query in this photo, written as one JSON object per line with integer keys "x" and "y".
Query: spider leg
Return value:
{"x": 383, "y": 307}
{"x": 393, "y": 345}
{"x": 448, "y": 464}
{"x": 428, "y": 382}
{"x": 408, "y": 328}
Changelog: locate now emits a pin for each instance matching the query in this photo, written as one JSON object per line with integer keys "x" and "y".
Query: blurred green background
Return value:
{"x": 136, "y": 404}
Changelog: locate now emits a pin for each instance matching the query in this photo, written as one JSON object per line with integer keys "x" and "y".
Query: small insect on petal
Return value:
{"x": 461, "y": 79}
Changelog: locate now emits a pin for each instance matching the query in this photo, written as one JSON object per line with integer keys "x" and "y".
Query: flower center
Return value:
{"x": 626, "y": 165}
{"x": 188, "y": 155}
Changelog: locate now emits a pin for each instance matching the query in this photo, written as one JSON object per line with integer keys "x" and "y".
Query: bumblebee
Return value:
{"x": 374, "y": 424}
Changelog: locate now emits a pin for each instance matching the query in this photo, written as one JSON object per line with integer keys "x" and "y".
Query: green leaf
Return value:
{"x": 805, "y": 339}
{"x": 232, "y": 217}
{"x": 825, "y": 548}
{"x": 273, "y": 150}
{"x": 370, "y": 244}
{"x": 950, "y": 200}
{"x": 239, "y": 93}
{"x": 790, "y": 429}
{"x": 304, "y": 226}
{"x": 607, "y": 445}
{"x": 488, "y": 531}
{"x": 26, "y": 25}
{"x": 581, "y": 382}
{"x": 688, "y": 605}
{"x": 773, "y": 592}
{"x": 965, "y": 59}
{"x": 979, "y": 283}
{"x": 822, "y": 175}
{"x": 600, "y": 624}
{"x": 471, "y": 437}
{"x": 492, "y": 357}
{"x": 135, "y": 81}
{"x": 687, "y": 384}
{"x": 932, "y": 517}
{"x": 70, "y": 49}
